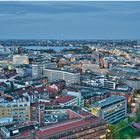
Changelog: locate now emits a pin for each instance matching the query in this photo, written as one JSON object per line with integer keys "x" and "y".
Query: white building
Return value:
{"x": 90, "y": 66}
{"x": 21, "y": 71}
{"x": 109, "y": 84}
{"x": 57, "y": 74}
{"x": 78, "y": 95}
{"x": 37, "y": 70}
{"x": 20, "y": 59}
{"x": 133, "y": 83}
{"x": 4, "y": 50}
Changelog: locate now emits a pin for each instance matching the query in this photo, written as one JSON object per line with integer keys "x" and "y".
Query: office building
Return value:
{"x": 70, "y": 77}
{"x": 109, "y": 84}
{"x": 21, "y": 71}
{"x": 90, "y": 66}
{"x": 78, "y": 95}
{"x": 133, "y": 83}
{"x": 37, "y": 70}
{"x": 111, "y": 109}
{"x": 20, "y": 59}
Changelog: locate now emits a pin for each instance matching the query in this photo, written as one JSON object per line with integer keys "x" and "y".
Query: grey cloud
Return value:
{"x": 19, "y": 8}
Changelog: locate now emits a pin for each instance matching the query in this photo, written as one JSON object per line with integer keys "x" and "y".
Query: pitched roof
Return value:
{"x": 64, "y": 99}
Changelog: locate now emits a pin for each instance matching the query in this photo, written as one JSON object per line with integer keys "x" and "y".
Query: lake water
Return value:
{"x": 56, "y": 48}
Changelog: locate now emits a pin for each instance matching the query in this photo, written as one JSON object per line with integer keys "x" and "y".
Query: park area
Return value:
{"x": 128, "y": 133}
{"x": 123, "y": 130}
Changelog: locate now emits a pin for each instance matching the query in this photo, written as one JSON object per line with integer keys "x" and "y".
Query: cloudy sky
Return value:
{"x": 69, "y": 20}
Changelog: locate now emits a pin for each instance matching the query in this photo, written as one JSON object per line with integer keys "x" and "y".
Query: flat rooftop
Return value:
{"x": 62, "y": 127}
{"x": 107, "y": 101}
{"x": 74, "y": 71}
{"x": 78, "y": 110}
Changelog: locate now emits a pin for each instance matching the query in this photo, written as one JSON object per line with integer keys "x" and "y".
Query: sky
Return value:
{"x": 69, "y": 20}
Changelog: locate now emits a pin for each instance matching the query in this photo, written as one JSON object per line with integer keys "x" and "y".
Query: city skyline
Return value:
{"x": 69, "y": 20}
{"x": 69, "y": 70}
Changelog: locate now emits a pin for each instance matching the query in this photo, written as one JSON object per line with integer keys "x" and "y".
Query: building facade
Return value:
{"x": 109, "y": 84}
{"x": 70, "y": 123}
{"x": 37, "y": 70}
{"x": 20, "y": 59}
{"x": 57, "y": 74}
{"x": 134, "y": 83}
{"x": 18, "y": 111}
{"x": 111, "y": 109}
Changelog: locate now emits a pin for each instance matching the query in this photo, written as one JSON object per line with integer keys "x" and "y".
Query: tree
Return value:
{"x": 126, "y": 136}
{"x": 116, "y": 135}
{"x": 132, "y": 119}
{"x": 123, "y": 124}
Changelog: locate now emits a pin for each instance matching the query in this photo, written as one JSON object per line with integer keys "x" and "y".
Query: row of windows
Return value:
{"x": 115, "y": 112}
{"x": 117, "y": 119}
{"x": 115, "y": 115}
{"x": 82, "y": 132}
{"x": 17, "y": 109}
{"x": 16, "y": 105}
{"x": 21, "y": 119}
{"x": 108, "y": 105}
{"x": 60, "y": 75}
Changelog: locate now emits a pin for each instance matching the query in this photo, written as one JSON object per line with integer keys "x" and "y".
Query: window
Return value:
{"x": 15, "y": 105}
{"x": 8, "y": 105}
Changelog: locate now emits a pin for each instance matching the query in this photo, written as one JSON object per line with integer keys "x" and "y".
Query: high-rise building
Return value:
{"x": 111, "y": 109}
{"x": 58, "y": 74}
{"x": 37, "y": 70}
{"x": 20, "y": 59}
